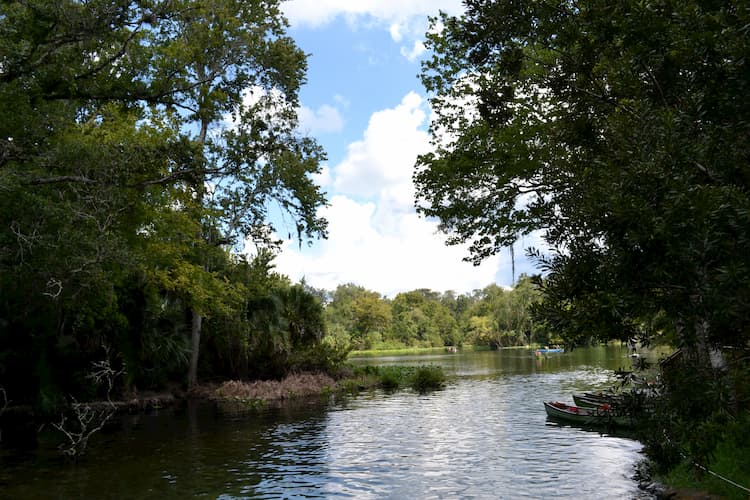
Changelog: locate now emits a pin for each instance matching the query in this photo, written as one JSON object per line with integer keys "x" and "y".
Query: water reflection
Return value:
{"x": 485, "y": 436}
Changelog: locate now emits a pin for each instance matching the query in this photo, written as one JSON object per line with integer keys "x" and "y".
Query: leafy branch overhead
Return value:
{"x": 620, "y": 132}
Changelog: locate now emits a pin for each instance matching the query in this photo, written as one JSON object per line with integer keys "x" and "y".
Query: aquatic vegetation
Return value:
{"x": 428, "y": 378}
{"x": 420, "y": 378}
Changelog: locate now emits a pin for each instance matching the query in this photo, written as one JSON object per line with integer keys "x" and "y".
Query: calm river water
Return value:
{"x": 485, "y": 435}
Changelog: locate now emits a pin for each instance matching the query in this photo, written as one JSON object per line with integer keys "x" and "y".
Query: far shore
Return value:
{"x": 402, "y": 351}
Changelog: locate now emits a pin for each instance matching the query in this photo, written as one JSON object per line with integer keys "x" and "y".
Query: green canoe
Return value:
{"x": 601, "y": 416}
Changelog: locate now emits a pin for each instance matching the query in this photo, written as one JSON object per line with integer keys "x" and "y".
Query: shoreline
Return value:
{"x": 293, "y": 386}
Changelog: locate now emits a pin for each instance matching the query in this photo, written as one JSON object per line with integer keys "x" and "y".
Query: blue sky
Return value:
{"x": 365, "y": 105}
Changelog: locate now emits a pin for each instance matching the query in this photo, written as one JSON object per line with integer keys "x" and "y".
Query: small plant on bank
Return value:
{"x": 427, "y": 378}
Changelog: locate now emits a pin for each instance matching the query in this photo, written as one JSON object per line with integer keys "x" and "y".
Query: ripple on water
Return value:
{"x": 484, "y": 436}
{"x": 481, "y": 439}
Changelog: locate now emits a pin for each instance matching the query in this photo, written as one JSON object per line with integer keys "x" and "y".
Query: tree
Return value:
{"x": 420, "y": 317}
{"x": 141, "y": 142}
{"x": 619, "y": 131}
{"x": 238, "y": 62}
{"x": 358, "y": 312}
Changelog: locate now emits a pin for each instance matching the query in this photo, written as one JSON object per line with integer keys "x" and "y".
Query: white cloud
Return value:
{"x": 405, "y": 20}
{"x": 372, "y": 246}
{"x": 396, "y": 32}
{"x": 386, "y": 154}
{"x": 326, "y": 119}
{"x": 376, "y": 239}
{"x": 323, "y": 178}
{"x": 320, "y": 12}
{"x": 417, "y": 50}
{"x": 342, "y": 101}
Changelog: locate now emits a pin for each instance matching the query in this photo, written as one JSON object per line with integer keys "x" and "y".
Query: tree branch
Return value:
{"x": 64, "y": 178}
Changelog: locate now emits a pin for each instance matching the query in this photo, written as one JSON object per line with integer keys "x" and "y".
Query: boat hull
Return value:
{"x": 589, "y": 400}
{"x": 586, "y": 416}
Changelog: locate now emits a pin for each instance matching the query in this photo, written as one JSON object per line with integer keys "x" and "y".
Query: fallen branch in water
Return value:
{"x": 85, "y": 419}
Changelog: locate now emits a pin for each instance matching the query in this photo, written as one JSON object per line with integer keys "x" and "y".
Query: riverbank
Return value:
{"x": 256, "y": 392}
{"x": 19, "y": 424}
{"x": 293, "y": 386}
{"x": 727, "y": 476}
{"x": 305, "y": 385}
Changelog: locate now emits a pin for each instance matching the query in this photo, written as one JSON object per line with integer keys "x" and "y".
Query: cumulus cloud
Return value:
{"x": 323, "y": 178}
{"x": 405, "y": 20}
{"x": 320, "y": 12}
{"x": 396, "y": 30}
{"x": 374, "y": 247}
{"x": 376, "y": 239}
{"x": 385, "y": 155}
{"x": 326, "y": 119}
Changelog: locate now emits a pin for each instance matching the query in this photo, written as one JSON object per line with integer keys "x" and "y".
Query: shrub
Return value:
{"x": 391, "y": 377}
{"x": 428, "y": 377}
{"x": 422, "y": 378}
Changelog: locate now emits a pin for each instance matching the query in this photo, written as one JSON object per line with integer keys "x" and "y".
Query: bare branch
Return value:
{"x": 63, "y": 178}
{"x": 54, "y": 283}
{"x": 86, "y": 420}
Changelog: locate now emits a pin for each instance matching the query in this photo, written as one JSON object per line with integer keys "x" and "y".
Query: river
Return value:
{"x": 485, "y": 435}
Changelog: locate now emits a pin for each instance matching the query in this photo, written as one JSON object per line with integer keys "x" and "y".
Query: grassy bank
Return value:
{"x": 731, "y": 461}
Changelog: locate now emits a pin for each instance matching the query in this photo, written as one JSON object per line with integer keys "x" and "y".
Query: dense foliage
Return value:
{"x": 619, "y": 130}
{"x": 141, "y": 142}
{"x": 491, "y": 316}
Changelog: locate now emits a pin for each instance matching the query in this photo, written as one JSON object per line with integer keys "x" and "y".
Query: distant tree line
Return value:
{"x": 492, "y": 316}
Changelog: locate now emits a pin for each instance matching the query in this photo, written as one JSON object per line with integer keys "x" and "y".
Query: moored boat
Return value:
{"x": 600, "y": 416}
{"x": 594, "y": 400}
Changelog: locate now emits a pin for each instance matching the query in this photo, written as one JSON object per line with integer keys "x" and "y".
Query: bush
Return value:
{"x": 323, "y": 357}
{"x": 428, "y": 378}
{"x": 421, "y": 379}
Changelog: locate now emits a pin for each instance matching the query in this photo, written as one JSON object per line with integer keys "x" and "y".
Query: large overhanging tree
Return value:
{"x": 619, "y": 129}
{"x": 143, "y": 139}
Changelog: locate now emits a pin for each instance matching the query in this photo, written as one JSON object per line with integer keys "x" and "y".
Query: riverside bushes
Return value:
{"x": 428, "y": 378}
{"x": 419, "y": 378}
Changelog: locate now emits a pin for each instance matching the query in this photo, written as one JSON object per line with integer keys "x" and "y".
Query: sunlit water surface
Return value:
{"x": 485, "y": 435}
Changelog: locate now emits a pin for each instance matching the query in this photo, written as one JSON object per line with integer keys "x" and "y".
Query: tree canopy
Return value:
{"x": 141, "y": 142}
{"x": 619, "y": 130}
{"x": 492, "y": 316}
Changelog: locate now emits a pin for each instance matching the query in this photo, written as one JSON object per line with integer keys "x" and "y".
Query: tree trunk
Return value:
{"x": 197, "y": 318}
{"x": 195, "y": 342}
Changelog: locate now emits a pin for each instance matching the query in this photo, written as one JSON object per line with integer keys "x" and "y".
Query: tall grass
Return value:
{"x": 295, "y": 385}
{"x": 396, "y": 352}
{"x": 420, "y": 378}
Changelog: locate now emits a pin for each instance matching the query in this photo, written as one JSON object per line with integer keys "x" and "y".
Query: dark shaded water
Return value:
{"x": 485, "y": 436}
